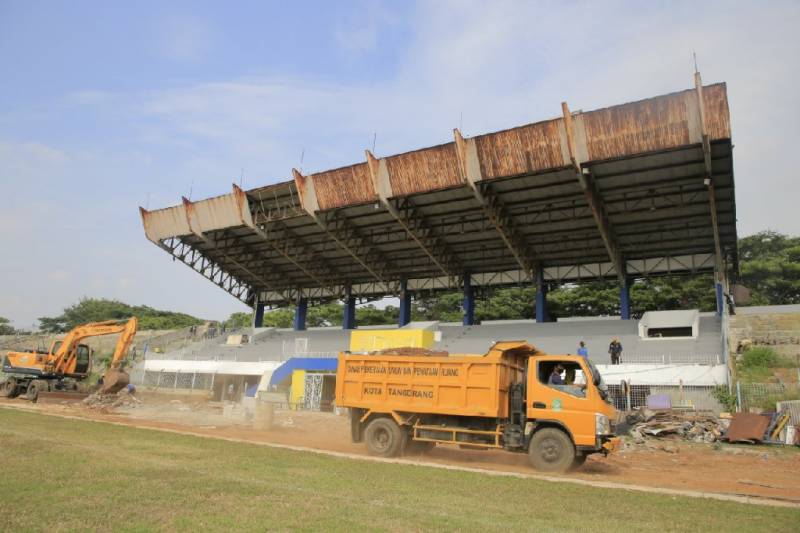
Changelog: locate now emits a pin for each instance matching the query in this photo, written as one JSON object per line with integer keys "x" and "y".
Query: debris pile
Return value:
{"x": 123, "y": 398}
{"x": 693, "y": 426}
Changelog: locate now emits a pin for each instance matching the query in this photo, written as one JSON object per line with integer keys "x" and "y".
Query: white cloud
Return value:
{"x": 499, "y": 64}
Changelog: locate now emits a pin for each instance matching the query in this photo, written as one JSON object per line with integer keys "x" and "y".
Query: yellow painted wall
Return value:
{"x": 369, "y": 340}
{"x": 297, "y": 391}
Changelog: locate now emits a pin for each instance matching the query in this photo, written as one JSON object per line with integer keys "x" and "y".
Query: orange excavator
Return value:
{"x": 58, "y": 372}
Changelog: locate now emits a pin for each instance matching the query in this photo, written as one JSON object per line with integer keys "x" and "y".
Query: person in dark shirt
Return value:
{"x": 615, "y": 350}
{"x": 555, "y": 377}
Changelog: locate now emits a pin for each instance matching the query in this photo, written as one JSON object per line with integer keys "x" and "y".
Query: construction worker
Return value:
{"x": 583, "y": 350}
{"x": 615, "y": 350}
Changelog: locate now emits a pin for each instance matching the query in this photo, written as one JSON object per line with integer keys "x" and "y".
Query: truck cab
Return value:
{"x": 578, "y": 407}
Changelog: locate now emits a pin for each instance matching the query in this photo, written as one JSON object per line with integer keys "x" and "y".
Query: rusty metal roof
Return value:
{"x": 622, "y": 190}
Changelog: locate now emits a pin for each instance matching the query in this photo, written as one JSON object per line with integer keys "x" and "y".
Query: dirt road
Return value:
{"x": 763, "y": 471}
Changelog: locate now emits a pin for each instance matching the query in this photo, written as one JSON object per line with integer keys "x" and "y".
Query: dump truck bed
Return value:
{"x": 457, "y": 384}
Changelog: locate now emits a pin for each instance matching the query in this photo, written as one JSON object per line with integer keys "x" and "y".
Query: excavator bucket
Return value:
{"x": 114, "y": 381}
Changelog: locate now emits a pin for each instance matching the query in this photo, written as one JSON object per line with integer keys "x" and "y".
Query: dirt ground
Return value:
{"x": 762, "y": 471}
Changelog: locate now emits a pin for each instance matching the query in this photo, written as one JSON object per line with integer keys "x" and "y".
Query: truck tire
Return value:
{"x": 551, "y": 450}
{"x": 34, "y": 388}
{"x": 9, "y": 388}
{"x": 384, "y": 437}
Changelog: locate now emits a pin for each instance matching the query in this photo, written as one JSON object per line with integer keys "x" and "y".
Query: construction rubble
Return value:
{"x": 692, "y": 426}
{"x": 123, "y": 398}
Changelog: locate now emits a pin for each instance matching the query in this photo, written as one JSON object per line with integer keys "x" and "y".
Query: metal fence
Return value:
{"x": 696, "y": 397}
{"x": 156, "y": 379}
{"x": 660, "y": 358}
{"x": 764, "y": 395}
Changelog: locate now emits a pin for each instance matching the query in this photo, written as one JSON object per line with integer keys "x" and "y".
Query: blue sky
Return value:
{"x": 106, "y": 106}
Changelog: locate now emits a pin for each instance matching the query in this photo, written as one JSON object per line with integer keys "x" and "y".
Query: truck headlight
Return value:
{"x": 601, "y": 424}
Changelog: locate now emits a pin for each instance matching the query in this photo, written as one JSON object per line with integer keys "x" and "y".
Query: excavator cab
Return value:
{"x": 83, "y": 359}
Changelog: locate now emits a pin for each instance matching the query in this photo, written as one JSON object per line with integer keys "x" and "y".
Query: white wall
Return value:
{"x": 688, "y": 375}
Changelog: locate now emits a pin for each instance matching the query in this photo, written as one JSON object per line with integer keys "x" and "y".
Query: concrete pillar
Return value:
{"x": 300, "y": 314}
{"x": 349, "y": 321}
{"x": 625, "y": 299}
{"x": 258, "y": 319}
{"x": 405, "y": 304}
{"x": 541, "y": 298}
{"x": 469, "y": 302}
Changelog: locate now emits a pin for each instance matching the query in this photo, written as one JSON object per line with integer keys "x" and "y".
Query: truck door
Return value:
{"x": 567, "y": 403}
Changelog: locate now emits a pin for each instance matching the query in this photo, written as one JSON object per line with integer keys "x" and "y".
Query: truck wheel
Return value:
{"x": 9, "y": 388}
{"x": 384, "y": 437}
{"x": 551, "y": 450}
{"x": 34, "y": 388}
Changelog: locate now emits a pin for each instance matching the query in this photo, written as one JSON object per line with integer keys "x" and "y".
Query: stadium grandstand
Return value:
{"x": 634, "y": 190}
{"x": 627, "y": 192}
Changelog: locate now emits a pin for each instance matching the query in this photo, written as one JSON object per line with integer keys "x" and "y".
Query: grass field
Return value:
{"x": 59, "y": 474}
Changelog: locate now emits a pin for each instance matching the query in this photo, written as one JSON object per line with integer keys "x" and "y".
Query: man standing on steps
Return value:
{"x": 615, "y": 350}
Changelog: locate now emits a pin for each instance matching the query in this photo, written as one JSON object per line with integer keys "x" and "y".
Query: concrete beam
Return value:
{"x": 308, "y": 199}
{"x": 191, "y": 219}
{"x": 576, "y": 151}
{"x": 314, "y": 273}
{"x": 409, "y": 218}
{"x": 709, "y": 179}
{"x": 470, "y": 169}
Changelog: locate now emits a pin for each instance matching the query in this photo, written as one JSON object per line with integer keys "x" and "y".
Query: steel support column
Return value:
{"x": 300, "y": 313}
{"x": 405, "y": 304}
{"x": 625, "y": 298}
{"x": 349, "y": 321}
{"x": 541, "y": 298}
{"x": 258, "y": 318}
{"x": 469, "y": 302}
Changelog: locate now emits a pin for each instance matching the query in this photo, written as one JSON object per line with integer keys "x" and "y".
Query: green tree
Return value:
{"x": 770, "y": 268}
{"x": 5, "y": 326}
{"x": 96, "y": 310}
{"x": 239, "y": 320}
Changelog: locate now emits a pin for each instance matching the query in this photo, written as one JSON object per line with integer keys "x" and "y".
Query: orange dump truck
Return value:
{"x": 508, "y": 399}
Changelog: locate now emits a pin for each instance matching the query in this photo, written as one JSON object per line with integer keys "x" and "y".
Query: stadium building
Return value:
{"x": 626, "y": 192}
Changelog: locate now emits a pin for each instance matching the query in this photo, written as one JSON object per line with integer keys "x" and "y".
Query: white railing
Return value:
{"x": 645, "y": 358}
